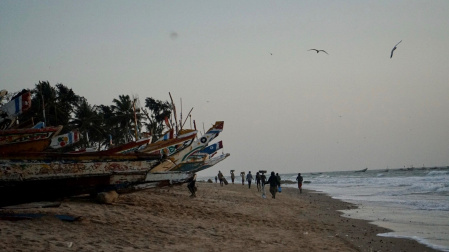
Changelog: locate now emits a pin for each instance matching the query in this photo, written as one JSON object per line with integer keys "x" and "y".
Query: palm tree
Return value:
{"x": 90, "y": 124}
{"x": 159, "y": 110}
{"x": 125, "y": 117}
{"x": 54, "y": 106}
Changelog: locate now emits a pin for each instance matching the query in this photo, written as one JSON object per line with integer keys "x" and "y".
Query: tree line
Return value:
{"x": 60, "y": 105}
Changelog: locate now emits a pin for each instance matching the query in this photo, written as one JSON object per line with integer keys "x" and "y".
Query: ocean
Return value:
{"x": 413, "y": 202}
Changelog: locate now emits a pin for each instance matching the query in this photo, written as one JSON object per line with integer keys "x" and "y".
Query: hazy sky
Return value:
{"x": 247, "y": 63}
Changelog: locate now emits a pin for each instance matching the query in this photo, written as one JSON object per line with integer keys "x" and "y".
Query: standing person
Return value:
{"x": 243, "y": 177}
{"x": 258, "y": 181}
{"x": 232, "y": 177}
{"x": 192, "y": 187}
{"x": 216, "y": 179}
{"x": 220, "y": 177}
{"x": 272, "y": 180}
{"x": 299, "y": 179}
{"x": 249, "y": 177}
{"x": 279, "y": 182}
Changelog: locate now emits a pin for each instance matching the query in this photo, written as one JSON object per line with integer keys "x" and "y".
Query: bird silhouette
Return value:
{"x": 394, "y": 48}
{"x": 317, "y": 51}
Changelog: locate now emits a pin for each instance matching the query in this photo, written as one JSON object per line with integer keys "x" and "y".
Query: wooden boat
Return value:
{"x": 158, "y": 148}
{"x": 199, "y": 160}
{"x": 211, "y": 162}
{"x": 47, "y": 176}
{"x": 173, "y": 145}
{"x": 26, "y": 140}
{"x": 174, "y": 162}
{"x": 128, "y": 147}
{"x": 211, "y": 148}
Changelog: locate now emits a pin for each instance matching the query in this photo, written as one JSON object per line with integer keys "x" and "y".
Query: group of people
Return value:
{"x": 261, "y": 180}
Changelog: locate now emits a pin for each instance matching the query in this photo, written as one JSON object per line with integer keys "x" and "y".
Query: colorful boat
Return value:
{"x": 26, "y": 140}
{"x": 176, "y": 161}
{"x": 170, "y": 146}
{"x": 211, "y": 162}
{"x": 47, "y": 176}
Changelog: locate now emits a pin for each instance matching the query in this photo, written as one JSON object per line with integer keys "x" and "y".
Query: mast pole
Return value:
{"x": 174, "y": 112}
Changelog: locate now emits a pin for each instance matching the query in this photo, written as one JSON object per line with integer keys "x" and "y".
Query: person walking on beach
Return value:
{"x": 243, "y": 177}
{"x": 216, "y": 179}
{"x": 192, "y": 187}
{"x": 232, "y": 176}
{"x": 299, "y": 179}
{"x": 279, "y": 182}
{"x": 263, "y": 179}
{"x": 249, "y": 178}
{"x": 258, "y": 181}
{"x": 272, "y": 180}
{"x": 220, "y": 177}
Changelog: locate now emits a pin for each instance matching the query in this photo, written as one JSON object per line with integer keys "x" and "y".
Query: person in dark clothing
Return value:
{"x": 272, "y": 180}
{"x": 192, "y": 187}
{"x": 249, "y": 178}
{"x": 258, "y": 181}
{"x": 279, "y": 182}
{"x": 299, "y": 179}
{"x": 263, "y": 179}
{"x": 220, "y": 177}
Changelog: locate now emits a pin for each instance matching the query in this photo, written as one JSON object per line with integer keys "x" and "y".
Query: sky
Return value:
{"x": 247, "y": 63}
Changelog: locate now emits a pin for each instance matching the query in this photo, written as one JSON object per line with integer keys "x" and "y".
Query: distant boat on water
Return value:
{"x": 364, "y": 170}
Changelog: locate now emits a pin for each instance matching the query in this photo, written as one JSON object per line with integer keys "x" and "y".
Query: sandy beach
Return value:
{"x": 228, "y": 218}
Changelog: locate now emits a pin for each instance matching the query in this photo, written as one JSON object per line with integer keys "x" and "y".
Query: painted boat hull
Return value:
{"x": 26, "y": 140}
{"x": 182, "y": 157}
{"x": 49, "y": 176}
{"x": 211, "y": 162}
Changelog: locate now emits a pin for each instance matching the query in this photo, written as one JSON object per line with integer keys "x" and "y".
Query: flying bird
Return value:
{"x": 394, "y": 48}
{"x": 317, "y": 51}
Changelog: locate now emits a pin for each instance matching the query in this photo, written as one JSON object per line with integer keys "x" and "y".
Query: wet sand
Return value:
{"x": 228, "y": 218}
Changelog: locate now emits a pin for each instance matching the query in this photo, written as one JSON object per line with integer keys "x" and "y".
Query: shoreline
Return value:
{"x": 228, "y": 218}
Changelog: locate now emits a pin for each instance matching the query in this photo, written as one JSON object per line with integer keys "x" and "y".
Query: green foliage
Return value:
{"x": 159, "y": 110}
{"x": 52, "y": 105}
{"x": 60, "y": 105}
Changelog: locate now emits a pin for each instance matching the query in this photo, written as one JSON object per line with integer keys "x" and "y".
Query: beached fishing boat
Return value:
{"x": 176, "y": 161}
{"x": 170, "y": 146}
{"x": 128, "y": 147}
{"x": 158, "y": 148}
{"x": 44, "y": 176}
{"x": 200, "y": 160}
{"x": 26, "y": 140}
{"x": 211, "y": 162}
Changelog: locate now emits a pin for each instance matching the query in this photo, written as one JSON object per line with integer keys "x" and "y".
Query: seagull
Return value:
{"x": 317, "y": 51}
{"x": 394, "y": 48}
